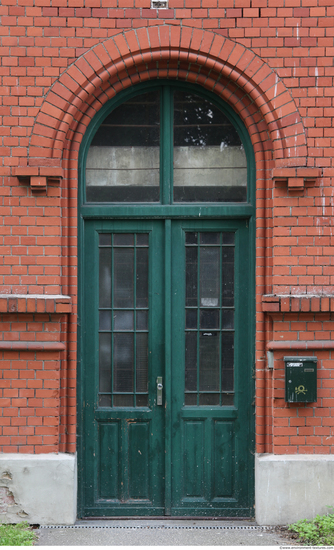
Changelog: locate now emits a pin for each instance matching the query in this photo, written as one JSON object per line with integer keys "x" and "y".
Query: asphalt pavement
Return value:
{"x": 161, "y": 533}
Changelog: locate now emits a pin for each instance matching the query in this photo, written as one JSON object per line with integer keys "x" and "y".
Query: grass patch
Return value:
{"x": 315, "y": 532}
{"x": 17, "y": 535}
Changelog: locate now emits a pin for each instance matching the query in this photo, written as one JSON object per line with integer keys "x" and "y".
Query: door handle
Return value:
{"x": 159, "y": 390}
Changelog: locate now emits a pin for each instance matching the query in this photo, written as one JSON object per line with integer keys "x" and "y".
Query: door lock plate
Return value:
{"x": 159, "y": 390}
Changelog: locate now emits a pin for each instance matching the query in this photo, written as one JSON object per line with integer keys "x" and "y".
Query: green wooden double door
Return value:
{"x": 167, "y": 361}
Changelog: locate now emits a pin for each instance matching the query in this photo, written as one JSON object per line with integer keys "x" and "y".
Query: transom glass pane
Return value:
{"x": 123, "y": 320}
{"x": 123, "y": 160}
{"x": 209, "y": 158}
{"x": 209, "y": 319}
{"x": 204, "y": 158}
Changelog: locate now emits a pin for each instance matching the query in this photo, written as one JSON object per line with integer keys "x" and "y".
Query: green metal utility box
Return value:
{"x": 300, "y": 379}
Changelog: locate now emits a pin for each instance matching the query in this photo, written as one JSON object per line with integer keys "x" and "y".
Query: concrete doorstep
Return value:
{"x": 160, "y": 533}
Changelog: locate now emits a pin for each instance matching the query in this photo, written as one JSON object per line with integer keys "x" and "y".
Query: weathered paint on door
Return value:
{"x": 193, "y": 454}
{"x": 211, "y": 459}
{"x": 124, "y": 445}
{"x": 209, "y": 443}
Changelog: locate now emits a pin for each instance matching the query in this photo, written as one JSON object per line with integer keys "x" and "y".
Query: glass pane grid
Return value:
{"x": 123, "y": 314}
{"x": 209, "y": 160}
{"x": 123, "y": 161}
{"x": 209, "y": 318}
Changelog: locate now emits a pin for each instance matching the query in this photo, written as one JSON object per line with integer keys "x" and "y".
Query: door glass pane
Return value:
{"x": 123, "y": 400}
{"x": 104, "y": 239}
{"x": 209, "y": 322}
{"x": 105, "y": 277}
{"x": 191, "y": 361}
{"x": 209, "y": 318}
{"x": 209, "y": 238}
{"x": 123, "y": 239}
{"x": 123, "y": 160}
{"x": 123, "y": 325}
{"x": 209, "y": 159}
{"x": 123, "y": 362}
{"x": 209, "y": 361}
{"x": 142, "y": 320}
{"x": 191, "y": 238}
{"x": 228, "y": 318}
{"x": 105, "y": 371}
{"x": 142, "y": 361}
{"x": 209, "y": 276}
{"x": 105, "y": 320}
{"x": 191, "y": 318}
{"x": 228, "y": 276}
{"x": 123, "y": 277}
{"x": 190, "y": 399}
{"x": 123, "y": 320}
{"x": 227, "y": 361}
{"x": 142, "y": 400}
{"x": 142, "y": 277}
{"x": 209, "y": 399}
{"x": 191, "y": 276}
{"x": 142, "y": 239}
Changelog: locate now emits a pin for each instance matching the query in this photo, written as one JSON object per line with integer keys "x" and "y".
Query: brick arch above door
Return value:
{"x": 230, "y": 70}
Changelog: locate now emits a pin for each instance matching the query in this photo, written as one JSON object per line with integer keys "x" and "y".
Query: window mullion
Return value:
{"x": 166, "y": 145}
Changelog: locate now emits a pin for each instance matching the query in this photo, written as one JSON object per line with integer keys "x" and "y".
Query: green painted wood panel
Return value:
{"x": 139, "y": 459}
{"x": 109, "y": 460}
{"x": 210, "y": 457}
{"x": 123, "y": 446}
{"x": 194, "y": 455}
{"x": 218, "y": 463}
{"x": 224, "y": 459}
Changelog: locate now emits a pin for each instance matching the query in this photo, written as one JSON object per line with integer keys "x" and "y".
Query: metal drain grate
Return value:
{"x": 162, "y": 527}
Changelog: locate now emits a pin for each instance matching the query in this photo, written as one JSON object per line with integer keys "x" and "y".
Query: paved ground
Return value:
{"x": 160, "y": 533}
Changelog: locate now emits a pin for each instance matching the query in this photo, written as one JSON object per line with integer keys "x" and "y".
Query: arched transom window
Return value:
{"x": 166, "y": 146}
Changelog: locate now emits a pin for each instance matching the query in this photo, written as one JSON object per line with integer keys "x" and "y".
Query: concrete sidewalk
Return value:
{"x": 161, "y": 533}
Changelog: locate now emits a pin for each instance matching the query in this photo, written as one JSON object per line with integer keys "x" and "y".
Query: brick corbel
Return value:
{"x": 38, "y": 177}
{"x": 296, "y": 177}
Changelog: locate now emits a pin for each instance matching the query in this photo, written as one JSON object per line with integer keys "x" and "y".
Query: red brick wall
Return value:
{"x": 304, "y": 429}
{"x": 272, "y": 61}
{"x": 30, "y": 402}
{"x": 31, "y": 349}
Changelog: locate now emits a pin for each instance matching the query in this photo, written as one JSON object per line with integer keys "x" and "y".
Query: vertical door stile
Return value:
{"x": 168, "y": 367}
